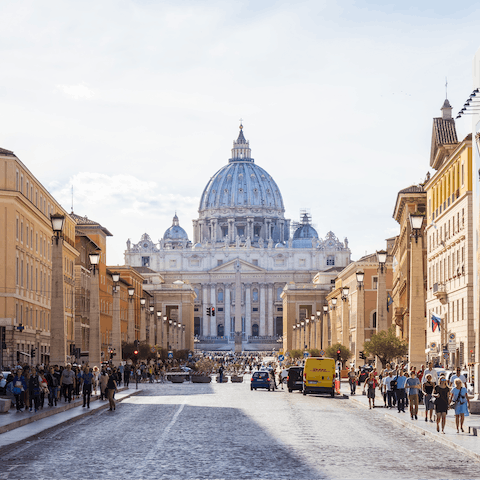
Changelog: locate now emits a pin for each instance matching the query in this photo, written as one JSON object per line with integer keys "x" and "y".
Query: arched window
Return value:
{"x": 255, "y": 330}
{"x": 255, "y": 295}
{"x": 220, "y": 296}
{"x": 279, "y": 292}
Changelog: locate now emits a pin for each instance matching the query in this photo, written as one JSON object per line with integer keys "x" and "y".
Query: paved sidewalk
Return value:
{"x": 465, "y": 443}
{"x": 15, "y": 427}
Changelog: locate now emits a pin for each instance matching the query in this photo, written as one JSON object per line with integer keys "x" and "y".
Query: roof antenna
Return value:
{"x": 446, "y": 86}
{"x": 72, "y": 197}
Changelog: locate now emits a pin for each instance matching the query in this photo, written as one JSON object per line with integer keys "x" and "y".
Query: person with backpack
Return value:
{"x": 461, "y": 401}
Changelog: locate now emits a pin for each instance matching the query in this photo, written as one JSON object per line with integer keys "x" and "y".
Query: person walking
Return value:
{"x": 67, "y": 381}
{"x": 428, "y": 388}
{"x": 111, "y": 389}
{"x": 88, "y": 380}
{"x": 352, "y": 380}
{"x": 34, "y": 390}
{"x": 19, "y": 387}
{"x": 103, "y": 385}
{"x": 441, "y": 394}
{"x": 220, "y": 373}
{"x": 430, "y": 371}
{"x": 370, "y": 384}
{"x": 52, "y": 382}
{"x": 400, "y": 392}
{"x": 387, "y": 389}
{"x": 458, "y": 374}
{"x": 461, "y": 401}
{"x": 413, "y": 386}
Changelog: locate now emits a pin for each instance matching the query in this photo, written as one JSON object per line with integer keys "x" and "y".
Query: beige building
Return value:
{"x": 450, "y": 245}
{"x": 410, "y": 267}
{"x": 26, "y": 271}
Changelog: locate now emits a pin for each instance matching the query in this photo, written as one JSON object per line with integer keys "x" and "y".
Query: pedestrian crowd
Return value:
{"x": 401, "y": 389}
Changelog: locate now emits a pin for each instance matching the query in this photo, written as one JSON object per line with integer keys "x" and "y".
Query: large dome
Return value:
{"x": 241, "y": 185}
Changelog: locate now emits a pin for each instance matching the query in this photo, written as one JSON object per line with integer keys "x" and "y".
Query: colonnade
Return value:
{"x": 264, "y": 301}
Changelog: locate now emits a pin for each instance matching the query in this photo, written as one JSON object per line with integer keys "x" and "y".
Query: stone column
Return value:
{"x": 95, "y": 346}
{"x": 416, "y": 333}
{"x": 58, "y": 334}
{"x": 116, "y": 327}
{"x": 248, "y": 309}
{"x": 382, "y": 300}
{"x": 333, "y": 325}
{"x": 360, "y": 329}
{"x": 131, "y": 321}
{"x": 324, "y": 340}
{"x": 270, "y": 310}
{"x": 262, "y": 310}
{"x": 228, "y": 304}
{"x": 151, "y": 335}
{"x": 213, "y": 320}
{"x": 345, "y": 324}
{"x": 143, "y": 331}
{"x": 205, "y": 319}
{"x": 238, "y": 309}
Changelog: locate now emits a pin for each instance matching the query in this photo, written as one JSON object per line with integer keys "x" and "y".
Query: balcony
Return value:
{"x": 440, "y": 293}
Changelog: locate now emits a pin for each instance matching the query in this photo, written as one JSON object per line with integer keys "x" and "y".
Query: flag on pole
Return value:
{"x": 389, "y": 301}
{"x": 436, "y": 322}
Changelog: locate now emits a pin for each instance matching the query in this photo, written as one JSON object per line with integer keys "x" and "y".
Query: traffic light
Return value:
{"x": 135, "y": 355}
{"x": 32, "y": 352}
{"x": 362, "y": 356}
{"x": 339, "y": 354}
{"x": 209, "y": 311}
{"x": 135, "y": 343}
{"x": 111, "y": 354}
{"x": 213, "y": 311}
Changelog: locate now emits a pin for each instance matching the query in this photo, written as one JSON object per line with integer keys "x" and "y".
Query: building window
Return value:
{"x": 374, "y": 320}
{"x": 240, "y": 231}
{"x": 279, "y": 292}
{"x": 255, "y": 295}
{"x": 374, "y": 283}
{"x": 219, "y": 262}
{"x": 330, "y": 260}
{"x": 255, "y": 262}
{"x": 220, "y": 296}
{"x": 145, "y": 261}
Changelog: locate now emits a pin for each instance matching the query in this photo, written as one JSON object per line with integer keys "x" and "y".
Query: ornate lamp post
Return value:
{"x": 143, "y": 326}
{"x": 324, "y": 339}
{"x": 95, "y": 347}
{"x": 345, "y": 317}
{"x": 116, "y": 323}
{"x": 151, "y": 333}
{"x": 360, "y": 330}
{"x": 382, "y": 291}
{"x": 294, "y": 336}
{"x": 58, "y": 338}
{"x": 164, "y": 332}
{"x": 159, "y": 324}
{"x": 333, "y": 320}
{"x": 131, "y": 316}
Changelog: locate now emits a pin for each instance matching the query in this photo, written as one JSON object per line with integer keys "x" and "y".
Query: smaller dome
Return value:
{"x": 175, "y": 232}
{"x": 279, "y": 245}
{"x": 197, "y": 246}
{"x": 305, "y": 230}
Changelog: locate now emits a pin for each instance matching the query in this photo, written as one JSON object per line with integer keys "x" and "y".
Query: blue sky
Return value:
{"x": 137, "y": 103}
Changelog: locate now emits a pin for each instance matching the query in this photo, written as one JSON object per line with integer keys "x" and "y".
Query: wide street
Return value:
{"x": 186, "y": 431}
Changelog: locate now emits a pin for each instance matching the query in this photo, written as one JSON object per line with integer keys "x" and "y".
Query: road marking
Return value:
{"x": 152, "y": 454}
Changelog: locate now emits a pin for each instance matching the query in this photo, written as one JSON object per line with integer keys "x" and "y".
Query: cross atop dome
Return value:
{"x": 241, "y": 148}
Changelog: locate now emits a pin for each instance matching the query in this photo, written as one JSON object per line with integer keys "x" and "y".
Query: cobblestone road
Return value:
{"x": 211, "y": 431}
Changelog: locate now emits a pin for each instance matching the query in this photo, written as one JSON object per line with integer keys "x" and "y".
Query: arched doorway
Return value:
{"x": 220, "y": 330}
{"x": 255, "y": 330}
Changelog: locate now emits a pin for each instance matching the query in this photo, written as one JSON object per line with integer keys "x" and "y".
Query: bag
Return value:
{"x": 17, "y": 390}
{"x": 393, "y": 385}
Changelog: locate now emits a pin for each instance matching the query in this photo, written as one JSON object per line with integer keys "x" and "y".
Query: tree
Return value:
{"x": 314, "y": 352}
{"x": 345, "y": 353}
{"x": 295, "y": 353}
{"x": 386, "y": 346}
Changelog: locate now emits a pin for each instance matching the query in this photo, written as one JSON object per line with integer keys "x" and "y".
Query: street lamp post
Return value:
{"x": 151, "y": 333}
{"x": 131, "y": 316}
{"x": 314, "y": 332}
{"x": 143, "y": 326}
{"x": 416, "y": 331}
{"x": 324, "y": 339}
{"x": 360, "y": 330}
{"x": 159, "y": 326}
{"x": 164, "y": 332}
{"x": 304, "y": 326}
{"x": 58, "y": 337}
{"x": 333, "y": 321}
{"x": 95, "y": 346}
{"x": 116, "y": 322}
{"x": 169, "y": 332}
{"x": 294, "y": 336}
{"x": 382, "y": 291}
{"x": 345, "y": 317}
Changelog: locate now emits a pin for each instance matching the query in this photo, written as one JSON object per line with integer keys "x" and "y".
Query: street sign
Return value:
{"x": 305, "y": 355}
{"x": 433, "y": 345}
{"x": 152, "y": 349}
{"x": 170, "y": 354}
{"x": 189, "y": 355}
{"x": 322, "y": 353}
{"x": 287, "y": 354}
{"x": 445, "y": 355}
{"x": 281, "y": 358}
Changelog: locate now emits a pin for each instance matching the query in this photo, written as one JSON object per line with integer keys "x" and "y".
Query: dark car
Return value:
{"x": 364, "y": 373}
{"x": 295, "y": 379}
{"x": 260, "y": 380}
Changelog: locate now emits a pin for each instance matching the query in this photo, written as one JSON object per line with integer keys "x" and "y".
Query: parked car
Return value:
{"x": 260, "y": 380}
{"x": 364, "y": 373}
{"x": 295, "y": 379}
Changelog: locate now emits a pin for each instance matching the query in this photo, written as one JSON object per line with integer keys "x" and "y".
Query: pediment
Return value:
{"x": 231, "y": 267}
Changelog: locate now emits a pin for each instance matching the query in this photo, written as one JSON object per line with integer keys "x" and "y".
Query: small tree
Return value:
{"x": 314, "y": 352}
{"x": 386, "y": 346}
{"x": 295, "y": 353}
{"x": 345, "y": 353}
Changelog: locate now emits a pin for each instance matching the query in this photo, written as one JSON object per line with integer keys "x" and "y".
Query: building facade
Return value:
{"x": 241, "y": 229}
{"x": 450, "y": 246}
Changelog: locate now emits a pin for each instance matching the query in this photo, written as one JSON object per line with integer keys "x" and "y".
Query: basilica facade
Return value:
{"x": 243, "y": 253}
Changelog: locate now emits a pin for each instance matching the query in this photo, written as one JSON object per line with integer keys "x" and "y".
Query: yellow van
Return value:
{"x": 319, "y": 375}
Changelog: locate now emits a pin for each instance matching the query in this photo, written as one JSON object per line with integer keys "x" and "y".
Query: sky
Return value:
{"x": 136, "y": 104}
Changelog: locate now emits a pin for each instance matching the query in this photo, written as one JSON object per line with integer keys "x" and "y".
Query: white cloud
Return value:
{"x": 77, "y": 92}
